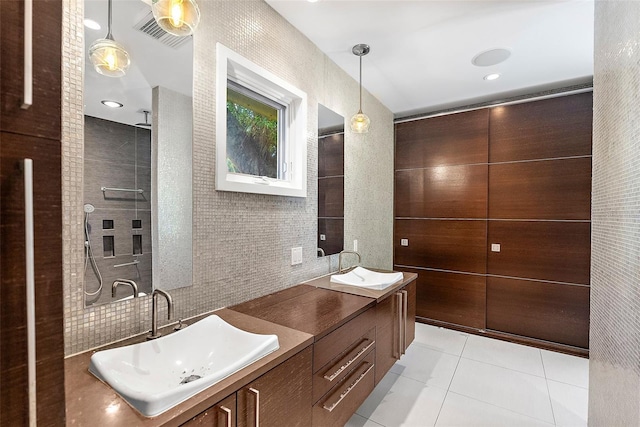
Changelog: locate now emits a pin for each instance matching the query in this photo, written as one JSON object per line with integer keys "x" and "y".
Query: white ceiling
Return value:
{"x": 420, "y": 56}
{"x": 421, "y": 51}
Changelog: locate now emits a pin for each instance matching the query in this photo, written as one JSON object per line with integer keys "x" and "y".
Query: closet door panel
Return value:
{"x": 42, "y": 119}
{"x": 458, "y": 245}
{"x": 450, "y": 297}
{"x": 442, "y": 192}
{"x": 550, "y": 128}
{"x": 553, "y": 251}
{"x": 546, "y": 311}
{"x": 453, "y": 139}
{"x": 551, "y": 189}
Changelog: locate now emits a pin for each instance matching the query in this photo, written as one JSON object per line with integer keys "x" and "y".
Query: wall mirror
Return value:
{"x": 330, "y": 181}
{"x": 137, "y": 157}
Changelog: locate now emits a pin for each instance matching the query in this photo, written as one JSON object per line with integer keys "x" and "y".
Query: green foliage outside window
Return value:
{"x": 252, "y": 138}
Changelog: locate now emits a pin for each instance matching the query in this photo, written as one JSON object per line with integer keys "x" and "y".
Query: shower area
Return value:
{"x": 117, "y": 210}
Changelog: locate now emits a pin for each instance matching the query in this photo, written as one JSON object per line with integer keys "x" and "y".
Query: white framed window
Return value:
{"x": 261, "y": 144}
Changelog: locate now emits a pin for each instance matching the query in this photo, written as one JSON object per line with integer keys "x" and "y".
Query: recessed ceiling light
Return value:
{"x": 112, "y": 104}
{"x": 91, "y": 24}
{"x": 492, "y": 76}
{"x": 491, "y": 57}
{"x": 312, "y": 1}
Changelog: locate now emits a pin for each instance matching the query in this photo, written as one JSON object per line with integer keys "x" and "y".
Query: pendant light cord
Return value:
{"x": 109, "y": 36}
{"x": 360, "y": 109}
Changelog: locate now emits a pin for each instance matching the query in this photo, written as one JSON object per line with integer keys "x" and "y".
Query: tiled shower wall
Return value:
{"x": 117, "y": 156}
{"x": 242, "y": 242}
{"x": 614, "y": 369}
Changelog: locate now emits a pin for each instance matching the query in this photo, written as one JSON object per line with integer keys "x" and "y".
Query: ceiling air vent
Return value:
{"x": 149, "y": 26}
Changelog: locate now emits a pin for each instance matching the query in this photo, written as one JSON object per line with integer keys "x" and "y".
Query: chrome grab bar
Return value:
{"x": 128, "y": 190}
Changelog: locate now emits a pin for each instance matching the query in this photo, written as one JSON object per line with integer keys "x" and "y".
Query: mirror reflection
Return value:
{"x": 330, "y": 181}
{"x": 137, "y": 158}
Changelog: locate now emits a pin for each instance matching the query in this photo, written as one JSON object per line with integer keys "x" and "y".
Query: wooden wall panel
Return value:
{"x": 557, "y": 127}
{"x": 551, "y": 189}
{"x": 545, "y": 250}
{"x": 442, "y": 244}
{"x": 331, "y": 197}
{"x": 547, "y": 311}
{"x": 333, "y": 230}
{"x": 447, "y": 140}
{"x": 450, "y": 297}
{"x": 442, "y": 192}
{"x": 331, "y": 155}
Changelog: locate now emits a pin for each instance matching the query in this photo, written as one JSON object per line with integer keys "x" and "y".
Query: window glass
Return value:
{"x": 254, "y": 133}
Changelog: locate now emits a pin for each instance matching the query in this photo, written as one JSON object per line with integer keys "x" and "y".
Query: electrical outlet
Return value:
{"x": 323, "y": 237}
{"x": 355, "y": 246}
{"x": 296, "y": 256}
{"x": 404, "y": 242}
{"x": 495, "y": 247}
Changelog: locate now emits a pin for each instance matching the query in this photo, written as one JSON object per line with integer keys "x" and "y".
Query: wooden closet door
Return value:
{"x": 32, "y": 133}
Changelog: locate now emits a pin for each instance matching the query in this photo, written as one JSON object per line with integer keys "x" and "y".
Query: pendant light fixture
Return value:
{"x": 360, "y": 122}
{"x": 109, "y": 57}
{"x": 177, "y": 17}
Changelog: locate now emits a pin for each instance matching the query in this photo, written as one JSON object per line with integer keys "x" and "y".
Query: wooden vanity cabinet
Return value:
{"x": 343, "y": 370}
{"x": 222, "y": 414}
{"x": 395, "y": 327}
{"x": 281, "y": 397}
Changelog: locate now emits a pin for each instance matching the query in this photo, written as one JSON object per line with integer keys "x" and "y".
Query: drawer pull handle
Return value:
{"x": 405, "y": 308}
{"x": 348, "y": 389}
{"x": 346, "y": 365}
{"x": 227, "y": 412}
{"x": 399, "y": 308}
{"x": 30, "y": 289}
{"x": 27, "y": 91}
{"x": 256, "y": 393}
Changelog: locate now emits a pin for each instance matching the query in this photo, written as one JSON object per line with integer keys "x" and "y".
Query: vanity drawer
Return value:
{"x": 341, "y": 403}
{"x": 342, "y": 339}
{"x": 333, "y": 372}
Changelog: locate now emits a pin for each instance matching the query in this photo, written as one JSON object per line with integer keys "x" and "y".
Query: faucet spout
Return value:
{"x": 154, "y": 311}
{"x": 340, "y": 259}
{"x": 119, "y": 282}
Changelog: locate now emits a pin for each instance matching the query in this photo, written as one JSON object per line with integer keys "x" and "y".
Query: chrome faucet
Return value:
{"x": 119, "y": 282}
{"x": 340, "y": 259}
{"x": 154, "y": 312}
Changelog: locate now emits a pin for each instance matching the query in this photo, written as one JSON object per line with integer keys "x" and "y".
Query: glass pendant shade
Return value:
{"x": 109, "y": 57}
{"x": 360, "y": 123}
{"x": 177, "y": 17}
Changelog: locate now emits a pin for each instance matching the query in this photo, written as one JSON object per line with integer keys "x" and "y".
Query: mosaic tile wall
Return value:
{"x": 614, "y": 376}
{"x": 242, "y": 242}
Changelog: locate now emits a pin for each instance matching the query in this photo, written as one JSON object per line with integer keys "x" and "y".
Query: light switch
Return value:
{"x": 404, "y": 242}
{"x": 495, "y": 247}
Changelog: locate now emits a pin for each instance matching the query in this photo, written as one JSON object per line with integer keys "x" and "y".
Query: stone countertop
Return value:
{"x": 307, "y": 308}
{"x": 325, "y": 283}
{"x": 90, "y": 402}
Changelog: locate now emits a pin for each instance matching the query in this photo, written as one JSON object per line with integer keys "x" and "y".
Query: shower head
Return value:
{"x": 88, "y": 208}
{"x": 146, "y": 119}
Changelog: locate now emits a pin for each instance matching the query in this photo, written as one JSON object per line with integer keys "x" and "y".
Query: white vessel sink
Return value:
{"x": 155, "y": 376}
{"x": 364, "y": 278}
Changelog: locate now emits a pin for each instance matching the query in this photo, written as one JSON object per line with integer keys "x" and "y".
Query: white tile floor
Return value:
{"x": 449, "y": 378}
